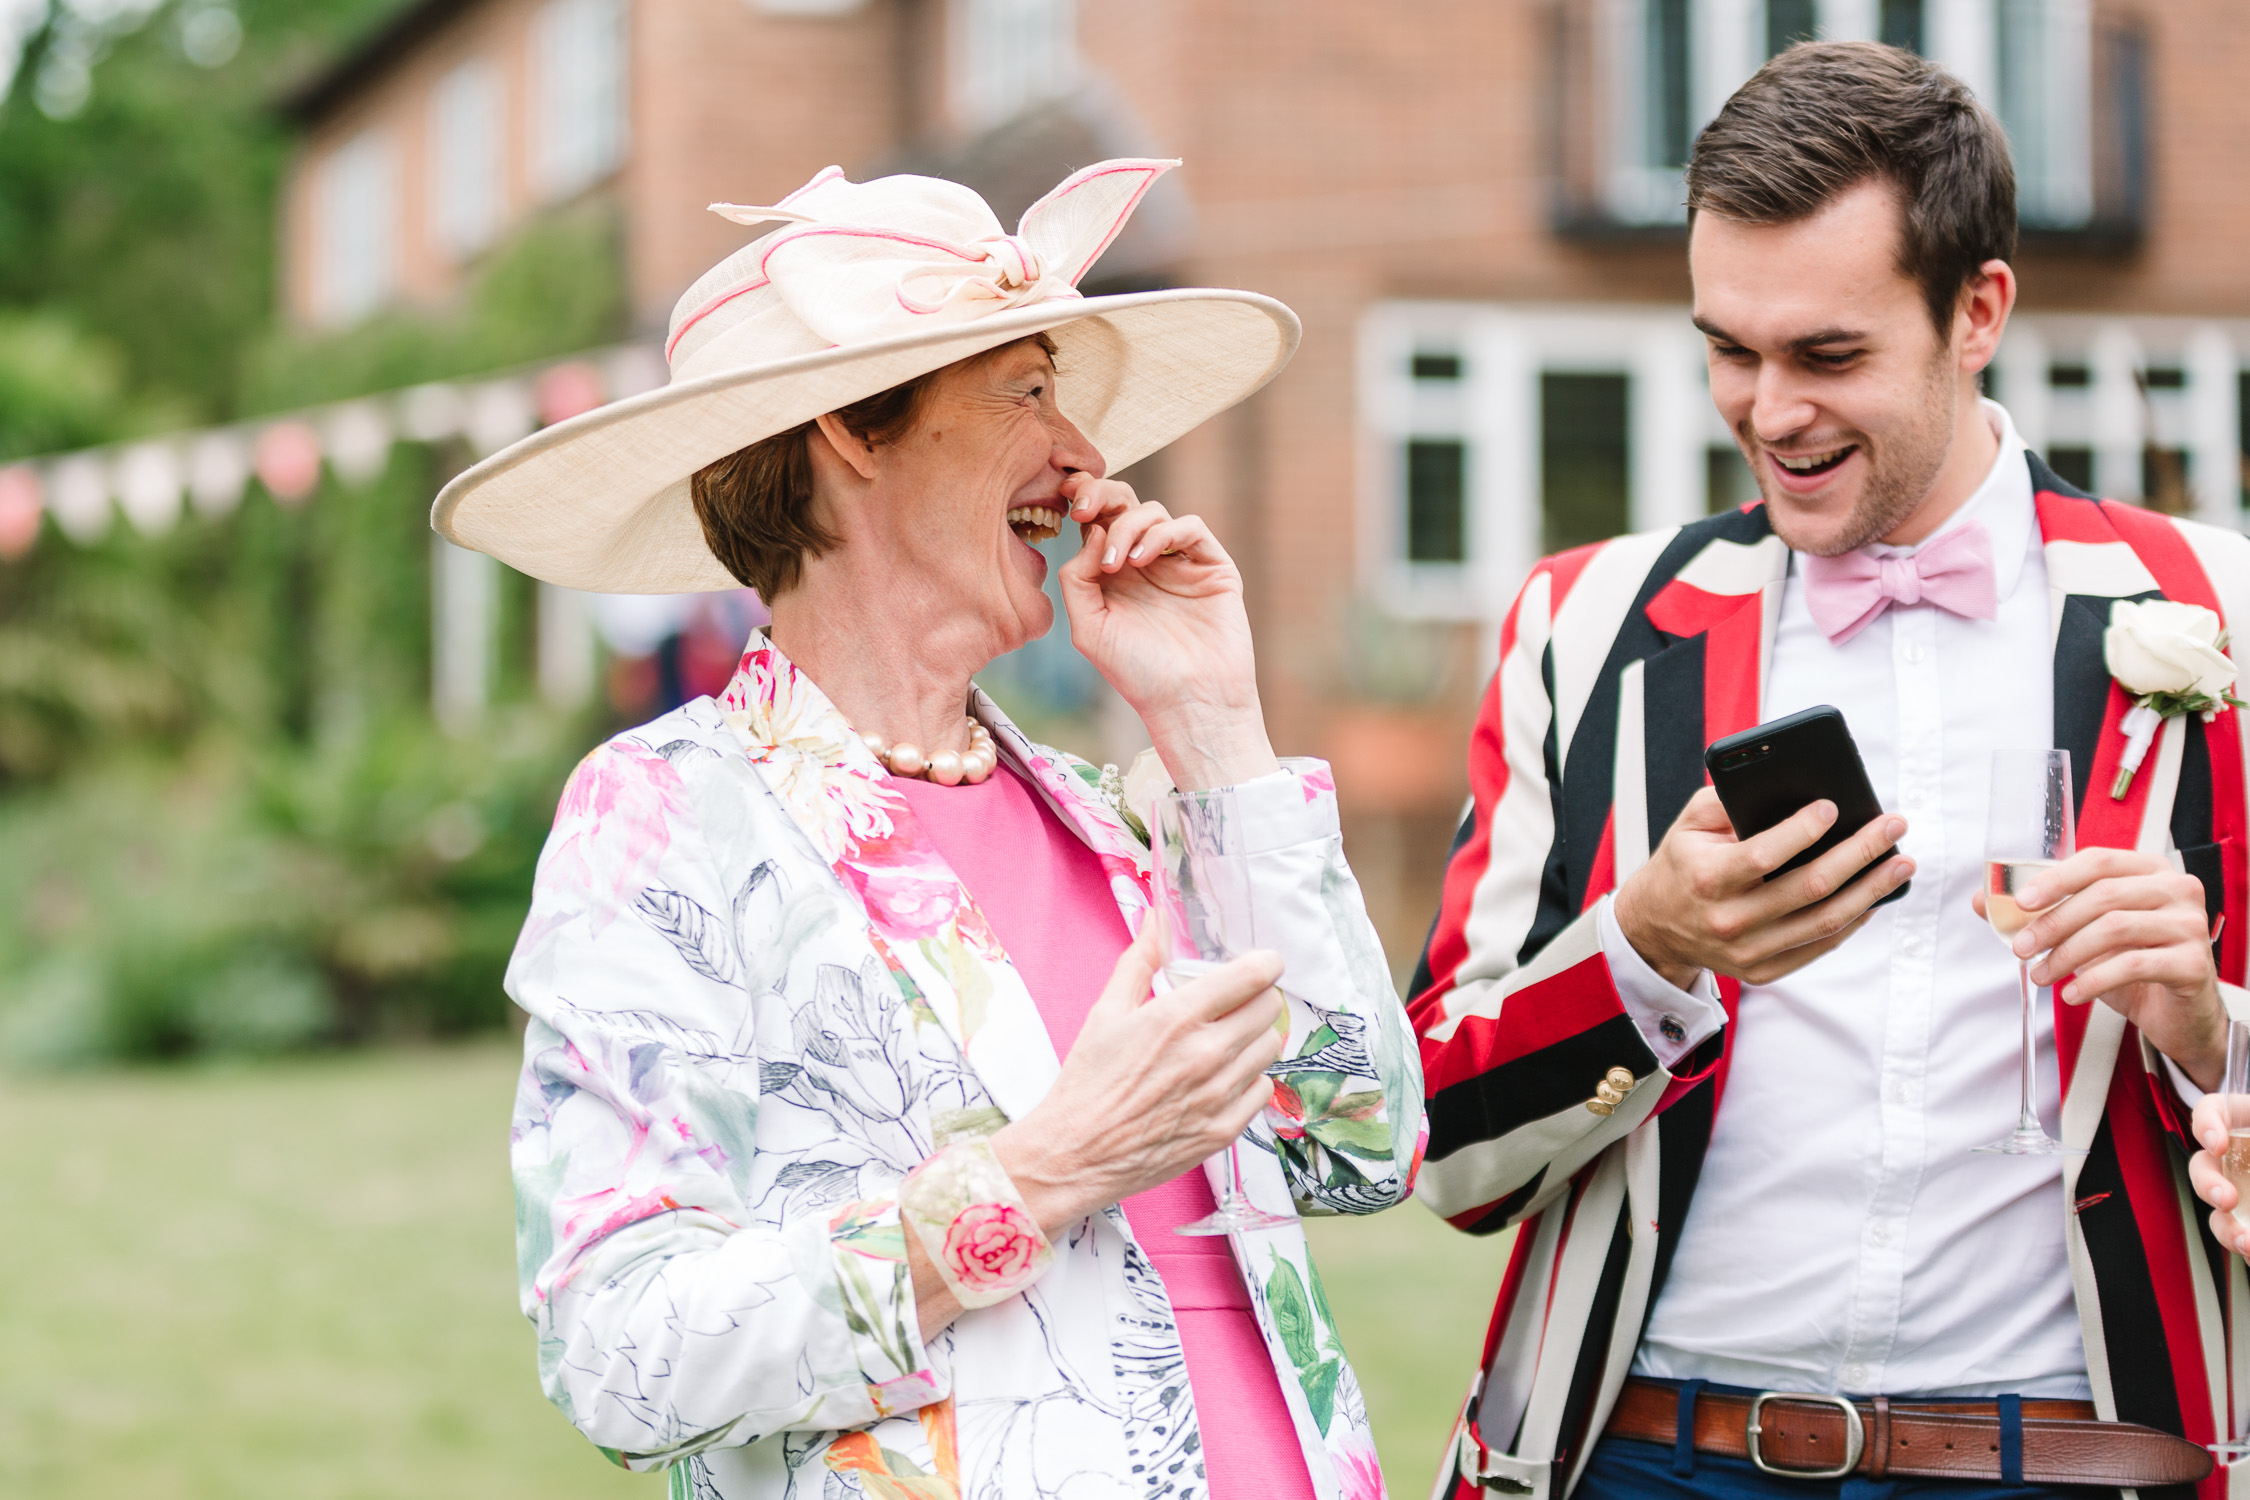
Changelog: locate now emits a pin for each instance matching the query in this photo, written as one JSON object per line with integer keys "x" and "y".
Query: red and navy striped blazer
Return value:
{"x": 1618, "y": 663}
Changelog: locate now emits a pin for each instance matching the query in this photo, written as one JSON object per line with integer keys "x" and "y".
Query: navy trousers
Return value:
{"x": 1622, "y": 1469}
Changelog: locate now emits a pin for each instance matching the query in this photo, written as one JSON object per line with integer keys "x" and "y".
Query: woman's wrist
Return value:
{"x": 1206, "y": 746}
{"x": 1053, "y": 1182}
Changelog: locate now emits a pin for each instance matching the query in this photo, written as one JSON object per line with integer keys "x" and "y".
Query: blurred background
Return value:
{"x": 275, "y": 763}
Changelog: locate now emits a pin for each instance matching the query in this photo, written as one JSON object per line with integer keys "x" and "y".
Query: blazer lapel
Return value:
{"x": 921, "y": 921}
{"x": 2092, "y": 562}
{"x": 1716, "y": 616}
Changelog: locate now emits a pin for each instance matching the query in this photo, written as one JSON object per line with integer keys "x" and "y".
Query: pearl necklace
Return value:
{"x": 947, "y": 767}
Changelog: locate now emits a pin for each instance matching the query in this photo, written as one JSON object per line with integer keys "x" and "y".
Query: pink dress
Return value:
{"x": 1049, "y": 902}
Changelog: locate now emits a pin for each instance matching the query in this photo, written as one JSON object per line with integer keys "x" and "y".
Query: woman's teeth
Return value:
{"x": 1814, "y": 463}
{"x": 1035, "y": 523}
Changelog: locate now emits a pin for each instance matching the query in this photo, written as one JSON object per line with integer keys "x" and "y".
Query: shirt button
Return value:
{"x": 1672, "y": 1029}
{"x": 1879, "y": 1234}
{"x": 1855, "y": 1376}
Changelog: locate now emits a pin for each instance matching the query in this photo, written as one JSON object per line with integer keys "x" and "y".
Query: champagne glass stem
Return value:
{"x": 2027, "y": 1116}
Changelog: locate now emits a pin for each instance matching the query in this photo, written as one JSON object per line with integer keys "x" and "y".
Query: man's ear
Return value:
{"x": 1982, "y": 316}
{"x": 855, "y": 451}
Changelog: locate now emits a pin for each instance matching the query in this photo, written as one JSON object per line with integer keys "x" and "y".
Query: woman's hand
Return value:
{"x": 1153, "y": 1085}
{"x": 1155, "y": 604}
{"x": 2211, "y": 1184}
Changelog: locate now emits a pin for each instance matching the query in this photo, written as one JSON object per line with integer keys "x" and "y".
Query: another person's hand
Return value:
{"x": 1155, "y": 603}
{"x": 1703, "y": 901}
{"x": 2132, "y": 932}
{"x": 2210, "y": 1181}
{"x": 1153, "y": 1085}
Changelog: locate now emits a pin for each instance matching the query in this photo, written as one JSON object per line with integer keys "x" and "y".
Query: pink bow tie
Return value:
{"x": 1953, "y": 571}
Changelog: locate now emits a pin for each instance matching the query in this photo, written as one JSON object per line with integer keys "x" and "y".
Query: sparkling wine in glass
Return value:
{"x": 2234, "y": 1108}
{"x": 1195, "y": 844}
{"x": 2028, "y": 829}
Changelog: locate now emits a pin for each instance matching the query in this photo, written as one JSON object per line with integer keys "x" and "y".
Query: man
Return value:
{"x": 1733, "y": 1120}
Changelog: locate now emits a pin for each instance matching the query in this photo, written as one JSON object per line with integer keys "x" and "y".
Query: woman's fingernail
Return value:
{"x": 2029, "y": 897}
{"x": 1894, "y": 828}
{"x": 2070, "y": 990}
{"x": 2039, "y": 974}
{"x": 1137, "y": 551}
{"x": 2023, "y": 947}
{"x": 1109, "y": 557}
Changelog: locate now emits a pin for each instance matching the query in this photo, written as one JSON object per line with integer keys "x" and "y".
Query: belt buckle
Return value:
{"x": 1855, "y": 1434}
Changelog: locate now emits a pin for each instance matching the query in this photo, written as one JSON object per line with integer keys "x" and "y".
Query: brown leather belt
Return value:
{"x": 1812, "y": 1437}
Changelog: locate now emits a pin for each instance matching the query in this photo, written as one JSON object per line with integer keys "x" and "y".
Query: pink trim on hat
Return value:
{"x": 706, "y": 310}
{"x": 1150, "y": 168}
{"x": 825, "y": 174}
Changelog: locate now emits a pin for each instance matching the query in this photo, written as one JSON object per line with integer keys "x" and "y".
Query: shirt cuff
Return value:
{"x": 1673, "y": 1021}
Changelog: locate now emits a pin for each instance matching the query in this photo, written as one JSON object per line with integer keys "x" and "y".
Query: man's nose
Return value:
{"x": 1781, "y": 405}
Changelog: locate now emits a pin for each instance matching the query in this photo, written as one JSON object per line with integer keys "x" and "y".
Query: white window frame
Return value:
{"x": 1004, "y": 56}
{"x": 2114, "y": 417}
{"x": 1494, "y": 410}
{"x": 468, "y": 158}
{"x": 2046, "y": 40}
{"x": 578, "y": 95}
{"x": 355, "y": 229}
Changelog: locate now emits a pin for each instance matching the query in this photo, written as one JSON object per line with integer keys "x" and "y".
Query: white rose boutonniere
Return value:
{"x": 2173, "y": 659}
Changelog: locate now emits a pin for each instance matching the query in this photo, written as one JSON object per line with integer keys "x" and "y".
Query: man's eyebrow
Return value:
{"x": 1797, "y": 345}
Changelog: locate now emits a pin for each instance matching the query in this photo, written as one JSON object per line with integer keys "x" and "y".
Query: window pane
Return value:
{"x": 355, "y": 220}
{"x": 1011, "y": 54}
{"x": 1436, "y": 500}
{"x": 578, "y": 118}
{"x": 1582, "y": 458}
{"x": 2073, "y": 466}
{"x": 1789, "y": 22}
{"x": 1902, "y": 24}
{"x": 465, "y": 158}
{"x": 1437, "y": 366}
{"x": 1728, "y": 482}
{"x": 1667, "y": 32}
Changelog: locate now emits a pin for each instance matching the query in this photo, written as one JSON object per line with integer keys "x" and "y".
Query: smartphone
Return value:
{"x": 1764, "y": 775}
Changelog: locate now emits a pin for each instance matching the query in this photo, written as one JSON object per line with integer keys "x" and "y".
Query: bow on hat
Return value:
{"x": 876, "y": 259}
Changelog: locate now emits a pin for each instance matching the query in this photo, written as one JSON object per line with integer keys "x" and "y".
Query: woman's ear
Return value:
{"x": 855, "y": 451}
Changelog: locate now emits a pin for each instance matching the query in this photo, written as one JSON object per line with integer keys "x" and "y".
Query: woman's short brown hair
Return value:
{"x": 1823, "y": 117}
{"x": 756, "y": 503}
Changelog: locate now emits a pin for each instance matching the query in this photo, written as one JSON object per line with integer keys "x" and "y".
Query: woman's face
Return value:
{"x": 955, "y": 505}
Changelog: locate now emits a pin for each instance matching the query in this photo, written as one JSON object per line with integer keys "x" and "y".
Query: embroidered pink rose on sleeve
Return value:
{"x": 992, "y": 1245}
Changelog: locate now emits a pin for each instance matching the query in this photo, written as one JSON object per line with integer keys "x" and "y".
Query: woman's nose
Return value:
{"x": 1074, "y": 451}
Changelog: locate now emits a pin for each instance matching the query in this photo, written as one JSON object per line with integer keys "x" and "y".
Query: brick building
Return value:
{"x": 1474, "y": 204}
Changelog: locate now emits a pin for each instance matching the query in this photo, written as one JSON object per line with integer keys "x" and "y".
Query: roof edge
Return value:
{"x": 319, "y": 95}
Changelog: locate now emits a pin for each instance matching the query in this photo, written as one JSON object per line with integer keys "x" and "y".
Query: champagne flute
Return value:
{"x": 2234, "y": 1109}
{"x": 2027, "y": 831}
{"x": 1195, "y": 862}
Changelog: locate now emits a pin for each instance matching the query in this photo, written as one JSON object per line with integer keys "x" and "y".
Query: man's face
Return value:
{"x": 1825, "y": 365}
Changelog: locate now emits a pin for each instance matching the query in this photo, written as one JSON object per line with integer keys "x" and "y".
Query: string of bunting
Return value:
{"x": 210, "y": 469}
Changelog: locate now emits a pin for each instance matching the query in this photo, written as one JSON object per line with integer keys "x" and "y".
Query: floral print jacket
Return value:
{"x": 758, "y": 998}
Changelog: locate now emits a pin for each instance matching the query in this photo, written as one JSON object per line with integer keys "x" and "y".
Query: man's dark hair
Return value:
{"x": 1823, "y": 117}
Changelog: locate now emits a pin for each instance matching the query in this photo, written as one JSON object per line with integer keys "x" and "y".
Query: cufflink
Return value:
{"x": 1672, "y": 1029}
{"x": 1611, "y": 1091}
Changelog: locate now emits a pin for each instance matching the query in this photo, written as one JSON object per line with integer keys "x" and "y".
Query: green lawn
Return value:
{"x": 296, "y": 1280}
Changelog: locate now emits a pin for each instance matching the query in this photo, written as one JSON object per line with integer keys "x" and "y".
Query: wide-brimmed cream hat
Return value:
{"x": 868, "y": 285}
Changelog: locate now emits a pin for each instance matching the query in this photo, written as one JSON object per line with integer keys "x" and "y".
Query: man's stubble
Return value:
{"x": 1900, "y": 474}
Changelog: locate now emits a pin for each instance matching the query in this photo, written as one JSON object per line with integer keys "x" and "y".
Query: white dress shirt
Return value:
{"x": 1844, "y": 1236}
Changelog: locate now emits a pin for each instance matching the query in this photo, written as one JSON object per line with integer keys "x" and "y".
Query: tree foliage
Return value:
{"x": 227, "y": 821}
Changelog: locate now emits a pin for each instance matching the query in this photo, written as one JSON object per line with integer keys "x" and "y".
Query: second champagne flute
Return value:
{"x": 2029, "y": 828}
{"x": 1194, "y": 869}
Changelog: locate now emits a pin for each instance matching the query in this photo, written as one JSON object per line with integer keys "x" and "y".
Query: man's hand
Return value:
{"x": 2132, "y": 933}
{"x": 2210, "y": 1179}
{"x": 1703, "y": 902}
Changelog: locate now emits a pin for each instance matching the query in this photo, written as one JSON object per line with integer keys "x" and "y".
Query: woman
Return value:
{"x": 850, "y": 1138}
